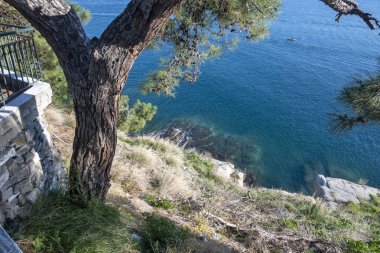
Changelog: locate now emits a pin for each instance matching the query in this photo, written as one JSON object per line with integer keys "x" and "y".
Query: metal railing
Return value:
{"x": 19, "y": 65}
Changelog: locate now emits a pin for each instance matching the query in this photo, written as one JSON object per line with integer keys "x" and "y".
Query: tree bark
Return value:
{"x": 96, "y": 71}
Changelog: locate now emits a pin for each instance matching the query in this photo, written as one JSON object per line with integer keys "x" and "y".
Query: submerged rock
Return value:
{"x": 342, "y": 191}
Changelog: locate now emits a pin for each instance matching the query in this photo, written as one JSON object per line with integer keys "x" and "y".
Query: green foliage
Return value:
{"x": 83, "y": 13}
{"x": 290, "y": 223}
{"x": 156, "y": 202}
{"x": 134, "y": 119}
{"x": 370, "y": 210}
{"x": 200, "y": 31}
{"x": 202, "y": 166}
{"x": 162, "y": 233}
{"x": 316, "y": 219}
{"x": 57, "y": 226}
{"x": 372, "y": 246}
{"x": 364, "y": 100}
{"x": 53, "y": 73}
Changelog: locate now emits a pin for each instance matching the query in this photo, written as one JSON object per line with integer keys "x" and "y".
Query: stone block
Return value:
{"x": 6, "y": 194}
{"x": 23, "y": 150}
{"x": 29, "y": 135}
{"x": 7, "y": 155}
{"x": 13, "y": 198}
{"x": 19, "y": 159}
{"x": 19, "y": 141}
{"x": 17, "y": 169}
{"x": 2, "y": 217}
{"x": 29, "y": 156}
{"x": 23, "y": 186}
{"x": 4, "y": 176}
{"x": 20, "y": 175}
{"x": 10, "y": 209}
{"x": 21, "y": 200}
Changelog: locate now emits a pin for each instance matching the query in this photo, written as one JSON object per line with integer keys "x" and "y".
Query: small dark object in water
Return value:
{"x": 291, "y": 39}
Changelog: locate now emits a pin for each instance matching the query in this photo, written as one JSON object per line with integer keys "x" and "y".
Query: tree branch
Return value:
{"x": 127, "y": 36}
{"x": 350, "y": 7}
{"x": 138, "y": 25}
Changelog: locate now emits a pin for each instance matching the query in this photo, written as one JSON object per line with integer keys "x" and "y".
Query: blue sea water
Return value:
{"x": 278, "y": 94}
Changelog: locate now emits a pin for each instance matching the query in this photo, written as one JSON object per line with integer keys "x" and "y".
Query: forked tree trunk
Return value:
{"x": 96, "y": 71}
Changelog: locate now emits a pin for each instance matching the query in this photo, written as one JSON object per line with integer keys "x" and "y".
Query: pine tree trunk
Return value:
{"x": 96, "y": 103}
{"x": 94, "y": 144}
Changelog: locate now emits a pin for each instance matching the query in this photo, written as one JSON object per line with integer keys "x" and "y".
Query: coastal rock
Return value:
{"x": 342, "y": 191}
{"x": 227, "y": 171}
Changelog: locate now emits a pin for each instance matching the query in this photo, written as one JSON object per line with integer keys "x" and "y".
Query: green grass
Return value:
{"x": 162, "y": 235}
{"x": 372, "y": 246}
{"x": 161, "y": 203}
{"x": 58, "y": 226}
{"x": 202, "y": 166}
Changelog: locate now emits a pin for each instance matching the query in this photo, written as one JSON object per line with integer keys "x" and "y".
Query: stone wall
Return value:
{"x": 29, "y": 162}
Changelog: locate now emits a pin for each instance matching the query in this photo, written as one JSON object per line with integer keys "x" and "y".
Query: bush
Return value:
{"x": 134, "y": 119}
{"x": 161, "y": 203}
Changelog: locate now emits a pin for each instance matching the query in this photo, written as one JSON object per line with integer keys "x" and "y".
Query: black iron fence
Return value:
{"x": 19, "y": 65}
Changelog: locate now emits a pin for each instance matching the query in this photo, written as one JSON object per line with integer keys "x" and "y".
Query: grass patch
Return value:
{"x": 372, "y": 246}
{"x": 58, "y": 226}
{"x": 202, "y": 166}
{"x": 158, "y": 145}
{"x": 289, "y": 223}
{"x": 141, "y": 157}
{"x": 161, "y": 203}
{"x": 162, "y": 235}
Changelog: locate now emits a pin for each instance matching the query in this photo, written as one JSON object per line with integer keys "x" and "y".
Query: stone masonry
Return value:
{"x": 29, "y": 163}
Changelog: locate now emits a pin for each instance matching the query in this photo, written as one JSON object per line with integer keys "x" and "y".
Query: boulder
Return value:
{"x": 342, "y": 191}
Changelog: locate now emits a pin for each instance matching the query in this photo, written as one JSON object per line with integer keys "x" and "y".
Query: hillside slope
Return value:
{"x": 153, "y": 179}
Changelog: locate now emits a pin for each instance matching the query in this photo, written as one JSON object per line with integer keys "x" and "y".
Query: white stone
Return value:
{"x": 223, "y": 169}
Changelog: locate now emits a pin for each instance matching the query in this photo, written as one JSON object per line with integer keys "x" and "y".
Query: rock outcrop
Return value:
{"x": 335, "y": 190}
{"x": 229, "y": 172}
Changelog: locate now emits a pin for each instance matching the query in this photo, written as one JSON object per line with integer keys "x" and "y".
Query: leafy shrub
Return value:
{"x": 161, "y": 203}
{"x": 133, "y": 119}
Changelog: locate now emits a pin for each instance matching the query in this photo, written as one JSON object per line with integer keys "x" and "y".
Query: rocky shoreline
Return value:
{"x": 203, "y": 140}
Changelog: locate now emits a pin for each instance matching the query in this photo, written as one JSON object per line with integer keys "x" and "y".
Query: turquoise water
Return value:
{"x": 278, "y": 94}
